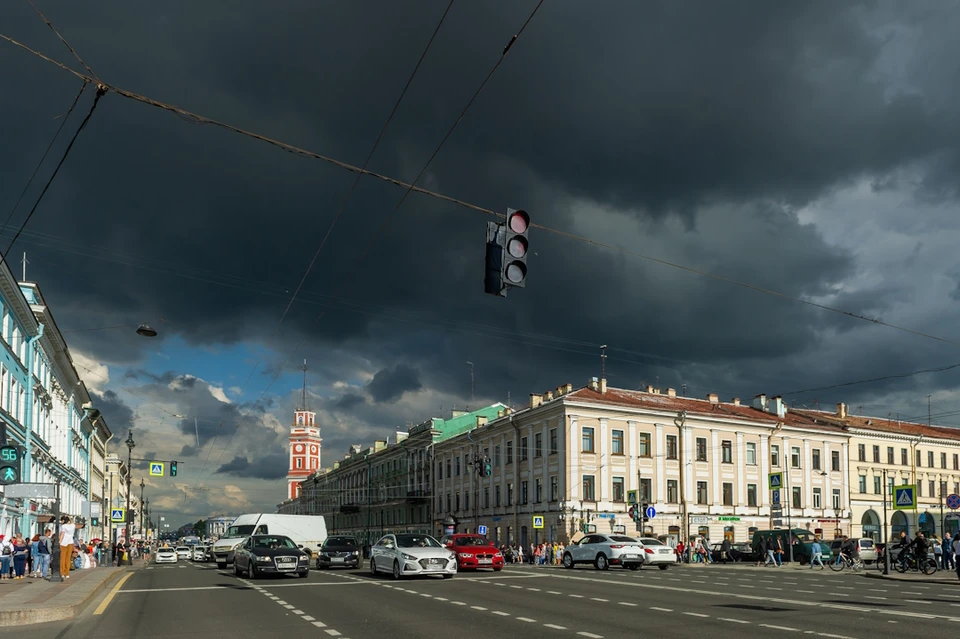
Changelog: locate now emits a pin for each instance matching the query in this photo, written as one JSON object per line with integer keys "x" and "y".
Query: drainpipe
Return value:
{"x": 28, "y": 419}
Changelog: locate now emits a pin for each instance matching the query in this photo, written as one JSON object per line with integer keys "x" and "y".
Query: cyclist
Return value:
{"x": 849, "y": 548}
{"x": 919, "y": 548}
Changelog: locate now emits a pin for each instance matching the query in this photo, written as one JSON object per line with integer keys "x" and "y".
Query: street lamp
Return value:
{"x": 130, "y": 446}
{"x": 141, "y": 506}
{"x": 145, "y": 330}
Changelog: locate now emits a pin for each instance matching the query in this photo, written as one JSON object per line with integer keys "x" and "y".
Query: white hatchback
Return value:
{"x": 657, "y": 553}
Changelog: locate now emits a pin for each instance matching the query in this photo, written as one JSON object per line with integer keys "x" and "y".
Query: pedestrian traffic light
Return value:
{"x": 10, "y": 465}
{"x": 94, "y": 521}
{"x": 515, "y": 246}
{"x": 173, "y": 469}
{"x": 487, "y": 467}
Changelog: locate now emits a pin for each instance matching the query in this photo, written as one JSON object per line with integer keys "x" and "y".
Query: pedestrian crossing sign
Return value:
{"x": 117, "y": 515}
{"x": 776, "y": 481}
{"x": 156, "y": 469}
{"x": 538, "y": 521}
{"x": 905, "y": 497}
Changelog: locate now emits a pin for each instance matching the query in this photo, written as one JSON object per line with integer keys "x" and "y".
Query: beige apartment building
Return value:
{"x": 571, "y": 459}
{"x": 892, "y": 452}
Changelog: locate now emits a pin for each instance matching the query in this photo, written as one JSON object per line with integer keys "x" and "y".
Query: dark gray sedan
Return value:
{"x": 270, "y": 555}
{"x": 339, "y": 552}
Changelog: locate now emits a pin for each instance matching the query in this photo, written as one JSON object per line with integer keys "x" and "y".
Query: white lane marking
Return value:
{"x": 772, "y": 588}
{"x": 288, "y": 606}
{"x": 553, "y": 592}
{"x": 501, "y": 613}
{"x": 280, "y": 601}
{"x": 311, "y": 584}
{"x": 809, "y": 592}
{"x": 746, "y": 586}
{"x": 787, "y": 628}
{"x": 275, "y": 598}
{"x": 172, "y": 589}
{"x": 732, "y": 620}
{"x": 441, "y": 599}
{"x": 873, "y": 597}
{"x": 308, "y": 618}
{"x": 697, "y": 581}
{"x": 526, "y": 619}
{"x": 332, "y": 632}
{"x": 598, "y": 599}
{"x": 695, "y": 614}
{"x": 517, "y": 587}
{"x": 534, "y": 589}
{"x": 917, "y": 601}
{"x": 626, "y": 603}
{"x": 423, "y": 594}
{"x": 661, "y": 609}
{"x": 554, "y": 626}
{"x": 478, "y": 608}
{"x": 319, "y": 624}
{"x": 845, "y": 587}
{"x": 297, "y": 612}
{"x": 878, "y": 590}
{"x": 577, "y": 596}
{"x": 590, "y": 635}
{"x": 458, "y": 603}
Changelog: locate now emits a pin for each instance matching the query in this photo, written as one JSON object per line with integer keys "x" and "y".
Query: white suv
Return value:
{"x": 604, "y": 551}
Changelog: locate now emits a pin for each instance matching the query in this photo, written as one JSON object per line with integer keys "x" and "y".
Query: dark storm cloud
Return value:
{"x": 267, "y": 467}
{"x": 731, "y": 115}
{"x": 390, "y": 384}
{"x": 118, "y": 415}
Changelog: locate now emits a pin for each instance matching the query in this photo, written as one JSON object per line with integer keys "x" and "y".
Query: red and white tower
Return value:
{"x": 304, "y": 443}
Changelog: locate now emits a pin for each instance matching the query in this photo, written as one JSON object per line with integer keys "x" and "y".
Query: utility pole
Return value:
{"x": 473, "y": 398}
{"x": 787, "y": 489}
{"x": 886, "y": 540}
{"x": 680, "y": 421}
{"x": 126, "y": 513}
{"x": 141, "y": 507}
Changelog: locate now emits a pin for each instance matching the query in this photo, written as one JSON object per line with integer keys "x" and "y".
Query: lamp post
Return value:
{"x": 130, "y": 446}
{"x": 56, "y": 550}
{"x": 141, "y": 507}
{"x": 886, "y": 540}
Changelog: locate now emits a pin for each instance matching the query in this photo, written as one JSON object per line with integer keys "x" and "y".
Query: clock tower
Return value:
{"x": 305, "y": 443}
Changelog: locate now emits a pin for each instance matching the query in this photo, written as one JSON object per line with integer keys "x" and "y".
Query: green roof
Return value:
{"x": 458, "y": 425}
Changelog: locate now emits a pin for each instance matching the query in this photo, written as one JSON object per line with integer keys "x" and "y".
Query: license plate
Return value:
{"x": 665, "y": 551}
{"x": 337, "y": 560}
{"x": 286, "y": 563}
{"x": 629, "y": 556}
{"x": 432, "y": 567}
{"x": 485, "y": 561}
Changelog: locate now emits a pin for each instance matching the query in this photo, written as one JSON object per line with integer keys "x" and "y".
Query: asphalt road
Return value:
{"x": 714, "y": 601}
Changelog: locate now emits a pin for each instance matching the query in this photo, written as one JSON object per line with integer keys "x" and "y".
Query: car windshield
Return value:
{"x": 239, "y": 531}
{"x": 620, "y": 539}
{"x": 417, "y": 541}
{"x": 349, "y": 542}
{"x": 165, "y": 550}
{"x": 470, "y": 541}
{"x": 803, "y": 535}
{"x": 183, "y": 549}
{"x": 651, "y": 542}
{"x": 866, "y": 543}
{"x": 272, "y": 542}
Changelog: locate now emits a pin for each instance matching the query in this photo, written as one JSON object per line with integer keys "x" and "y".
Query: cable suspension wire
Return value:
{"x": 64, "y": 41}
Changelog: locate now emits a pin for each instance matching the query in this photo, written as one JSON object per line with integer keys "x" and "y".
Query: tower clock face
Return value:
{"x": 299, "y": 448}
{"x": 313, "y": 449}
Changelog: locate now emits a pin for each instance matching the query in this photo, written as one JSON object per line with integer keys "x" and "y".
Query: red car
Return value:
{"x": 473, "y": 552}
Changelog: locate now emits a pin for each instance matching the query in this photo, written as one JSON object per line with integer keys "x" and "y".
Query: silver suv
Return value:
{"x": 604, "y": 551}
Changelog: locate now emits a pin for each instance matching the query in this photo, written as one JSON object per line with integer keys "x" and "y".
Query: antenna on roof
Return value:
{"x": 603, "y": 362}
{"x": 683, "y": 390}
{"x": 928, "y": 410}
{"x": 303, "y": 391}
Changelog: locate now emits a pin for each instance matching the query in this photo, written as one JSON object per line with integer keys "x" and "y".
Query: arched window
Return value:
{"x": 899, "y": 524}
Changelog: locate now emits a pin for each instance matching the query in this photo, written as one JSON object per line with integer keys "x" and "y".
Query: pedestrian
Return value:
{"x": 817, "y": 556}
{"x": 956, "y": 551}
{"x": 44, "y": 546}
{"x": 68, "y": 530}
{"x": 725, "y": 548}
{"x": 20, "y": 548}
{"x": 948, "y": 561}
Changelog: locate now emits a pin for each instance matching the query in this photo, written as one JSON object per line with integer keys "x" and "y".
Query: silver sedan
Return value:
{"x": 408, "y": 555}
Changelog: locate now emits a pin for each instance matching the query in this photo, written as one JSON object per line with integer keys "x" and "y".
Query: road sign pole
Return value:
{"x": 886, "y": 538}
{"x": 55, "y": 575}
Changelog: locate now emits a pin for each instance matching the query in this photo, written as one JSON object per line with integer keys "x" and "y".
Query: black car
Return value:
{"x": 270, "y": 555}
{"x": 339, "y": 552}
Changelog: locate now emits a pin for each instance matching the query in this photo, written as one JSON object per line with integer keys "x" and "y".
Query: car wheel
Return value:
{"x": 304, "y": 574}
{"x": 448, "y": 576}
{"x": 601, "y": 562}
{"x": 664, "y": 566}
{"x": 251, "y": 572}
{"x": 633, "y": 566}
{"x": 498, "y": 569}
{"x": 396, "y": 569}
{"x": 221, "y": 565}
{"x": 567, "y": 560}
{"x": 236, "y": 569}
{"x": 373, "y": 568}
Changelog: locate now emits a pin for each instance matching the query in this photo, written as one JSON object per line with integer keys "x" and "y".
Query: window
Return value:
{"x": 671, "y": 446}
{"x": 524, "y": 495}
{"x": 943, "y": 460}
{"x": 554, "y": 488}
{"x": 727, "y": 494}
{"x": 816, "y": 458}
{"x": 890, "y": 485}
{"x": 618, "y": 489}
{"x": 523, "y": 449}
{"x": 889, "y": 454}
{"x": 919, "y": 487}
{"x": 876, "y": 485}
{"x": 449, "y": 509}
{"x": 701, "y": 492}
{"x": 861, "y": 455}
{"x": 863, "y": 483}
{"x": 795, "y": 456}
{"x": 496, "y": 496}
{"x": 537, "y": 490}
{"x": 751, "y": 453}
{"x": 509, "y": 452}
{"x": 673, "y": 493}
{"x": 589, "y": 486}
{"x": 956, "y": 462}
{"x": 903, "y": 457}
{"x": 836, "y": 499}
{"x": 752, "y": 495}
{"x": 726, "y": 451}
{"x": 510, "y": 494}
{"x": 796, "y": 497}
{"x": 496, "y": 455}
{"x": 646, "y": 489}
{"x": 919, "y": 459}
{"x": 553, "y": 441}
{"x": 775, "y": 455}
{"x": 457, "y": 502}
{"x": 643, "y": 444}
{"x": 617, "y": 444}
{"x": 538, "y": 445}
{"x": 817, "y": 498}
{"x": 933, "y": 488}
{"x": 929, "y": 459}
{"x": 701, "y": 449}
{"x": 457, "y": 467}
{"x": 876, "y": 454}
{"x": 486, "y": 497}
{"x": 835, "y": 460}
{"x": 299, "y": 462}
{"x": 586, "y": 438}
{"x": 449, "y": 468}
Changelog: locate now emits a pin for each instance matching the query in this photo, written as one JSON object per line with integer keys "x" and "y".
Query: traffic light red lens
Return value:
{"x": 517, "y": 247}
{"x": 519, "y": 221}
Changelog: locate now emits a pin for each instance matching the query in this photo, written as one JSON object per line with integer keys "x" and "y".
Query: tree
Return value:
{"x": 200, "y": 528}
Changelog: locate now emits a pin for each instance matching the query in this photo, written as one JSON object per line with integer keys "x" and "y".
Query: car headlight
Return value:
{"x": 453, "y": 556}
{"x": 408, "y": 557}
{"x": 498, "y": 555}
{"x": 465, "y": 555}
{"x": 304, "y": 558}
{"x": 355, "y": 552}
{"x": 237, "y": 545}
{"x": 263, "y": 560}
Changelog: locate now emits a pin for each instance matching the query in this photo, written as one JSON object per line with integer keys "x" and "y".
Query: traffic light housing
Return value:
{"x": 11, "y": 465}
{"x": 173, "y": 469}
{"x": 493, "y": 279}
{"x": 515, "y": 247}
{"x": 487, "y": 467}
{"x": 94, "y": 521}
{"x": 643, "y": 512}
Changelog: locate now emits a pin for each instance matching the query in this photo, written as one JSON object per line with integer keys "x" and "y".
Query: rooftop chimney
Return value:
{"x": 760, "y": 402}
{"x": 649, "y": 388}
{"x": 842, "y": 410}
{"x": 736, "y": 401}
{"x": 779, "y": 407}
{"x": 713, "y": 398}
{"x": 499, "y": 413}
{"x": 535, "y": 400}
{"x": 594, "y": 384}
{"x": 481, "y": 420}
{"x": 548, "y": 396}
{"x": 603, "y": 386}
{"x": 671, "y": 392}
{"x": 559, "y": 391}
{"x": 568, "y": 388}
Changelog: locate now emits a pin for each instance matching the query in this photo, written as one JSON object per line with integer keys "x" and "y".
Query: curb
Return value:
{"x": 45, "y": 614}
{"x": 912, "y": 580}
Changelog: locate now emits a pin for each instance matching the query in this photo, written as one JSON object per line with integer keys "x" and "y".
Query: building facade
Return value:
{"x": 571, "y": 460}
{"x": 217, "y": 526}
{"x": 116, "y": 492}
{"x": 305, "y": 448}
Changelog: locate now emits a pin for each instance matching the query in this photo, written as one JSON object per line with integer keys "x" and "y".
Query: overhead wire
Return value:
{"x": 64, "y": 41}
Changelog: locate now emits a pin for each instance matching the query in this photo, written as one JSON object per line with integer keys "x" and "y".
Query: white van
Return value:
{"x": 307, "y": 531}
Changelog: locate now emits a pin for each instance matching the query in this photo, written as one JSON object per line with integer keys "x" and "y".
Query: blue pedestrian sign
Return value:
{"x": 776, "y": 481}
{"x": 156, "y": 469}
{"x": 953, "y": 501}
{"x": 538, "y": 521}
{"x": 650, "y": 512}
{"x": 905, "y": 497}
{"x": 481, "y": 530}
{"x": 118, "y": 515}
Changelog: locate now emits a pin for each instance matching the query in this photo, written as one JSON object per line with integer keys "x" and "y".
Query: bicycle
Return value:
{"x": 845, "y": 561}
{"x": 928, "y": 567}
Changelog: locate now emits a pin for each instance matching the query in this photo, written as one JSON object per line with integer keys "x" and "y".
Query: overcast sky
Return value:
{"x": 806, "y": 148}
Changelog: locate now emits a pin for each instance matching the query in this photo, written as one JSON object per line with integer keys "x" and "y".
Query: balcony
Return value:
{"x": 418, "y": 495}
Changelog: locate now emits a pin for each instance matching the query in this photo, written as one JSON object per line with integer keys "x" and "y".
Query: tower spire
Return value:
{"x": 303, "y": 391}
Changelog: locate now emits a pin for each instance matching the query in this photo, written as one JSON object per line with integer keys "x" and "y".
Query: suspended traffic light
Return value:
{"x": 487, "y": 467}
{"x": 515, "y": 248}
{"x": 173, "y": 469}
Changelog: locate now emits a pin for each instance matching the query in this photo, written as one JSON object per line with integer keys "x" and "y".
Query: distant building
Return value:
{"x": 217, "y": 526}
{"x": 304, "y": 444}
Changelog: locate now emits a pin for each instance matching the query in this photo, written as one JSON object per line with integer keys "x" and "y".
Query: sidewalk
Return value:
{"x": 29, "y": 601}
{"x": 939, "y": 577}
